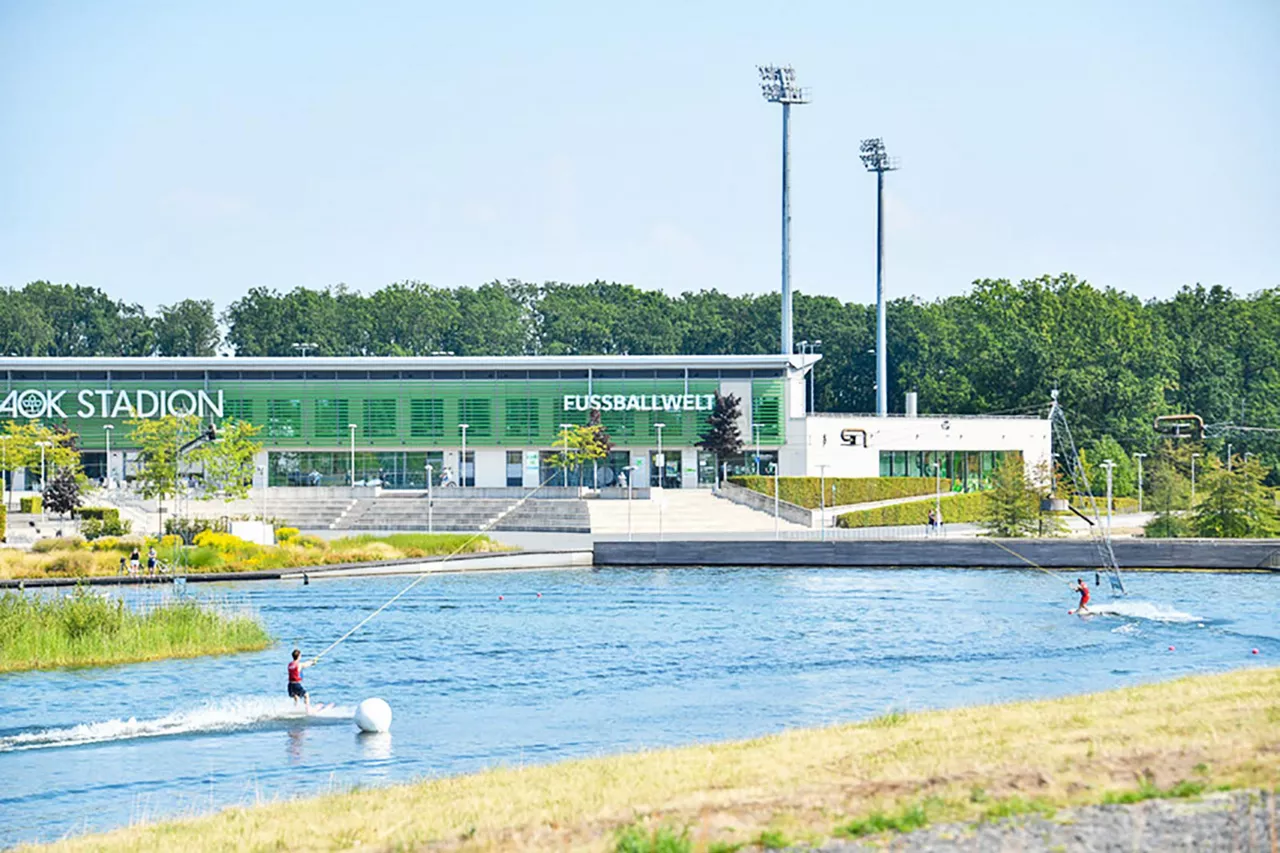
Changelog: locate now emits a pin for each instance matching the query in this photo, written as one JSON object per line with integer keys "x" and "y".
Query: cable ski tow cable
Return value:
{"x": 1030, "y": 563}
{"x": 421, "y": 577}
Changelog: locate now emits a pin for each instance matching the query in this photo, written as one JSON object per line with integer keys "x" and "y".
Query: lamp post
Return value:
{"x": 756, "y": 429}
{"x": 263, "y": 469}
{"x": 303, "y": 347}
{"x": 1139, "y": 457}
{"x": 631, "y": 475}
{"x": 662, "y": 460}
{"x": 42, "y": 445}
{"x": 937, "y": 492}
{"x": 462, "y": 463}
{"x": 1228, "y": 458}
{"x": 351, "y": 428}
{"x": 564, "y": 458}
{"x": 1109, "y": 465}
{"x": 778, "y": 85}
{"x": 875, "y": 159}
{"x": 1194, "y": 456}
{"x": 776, "y": 484}
{"x": 4, "y": 471}
{"x": 430, "y": 500}
{"x": 107, "y": 430}
{"x": 822, "y": 502}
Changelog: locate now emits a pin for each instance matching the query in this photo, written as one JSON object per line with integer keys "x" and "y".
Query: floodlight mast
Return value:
{"x": 778, "y": 85}
{"x": 875, "y": 159}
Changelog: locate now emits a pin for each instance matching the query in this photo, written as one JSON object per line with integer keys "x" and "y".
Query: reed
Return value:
{"x": 84, "y": 628}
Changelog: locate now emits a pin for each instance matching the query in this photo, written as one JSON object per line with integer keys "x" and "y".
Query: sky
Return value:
{"x": 162, "y": 151}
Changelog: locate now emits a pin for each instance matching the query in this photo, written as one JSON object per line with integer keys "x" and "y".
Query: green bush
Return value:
{"x": 1167, "y": 526}
{"x": 102, "y": 513}
{"x": 59, "y": 543}
{"x": 804, "y": 491}
{"x": 4, "y": 515}
{"x": 955, "y": 509}
{"x": 76, "y": 564}
{"x": 1119, "y": 506}
{"x": 96, "y": 528}
{"x": 30, "y": 505}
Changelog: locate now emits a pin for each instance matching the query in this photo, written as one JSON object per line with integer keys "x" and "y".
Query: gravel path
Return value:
{"x": 1239, "y": 822}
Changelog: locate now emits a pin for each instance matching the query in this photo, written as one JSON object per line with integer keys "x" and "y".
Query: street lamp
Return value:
{"x": 662, "y": 460}
{"x": 1228, "y": 458}
{"x": 462, "y": 465}
{"x": 1139, "y": 457}
{"x": 4, "y": 471}
{"x": 430, "y": 500}
{"x": 302, "y": 348}
{"x": 937, "y": 491}
{"x": 631, "y": 476}
{"x": 778, "y": 85}
{"x": 1109, "y": 465}
{"x": 42, "y": 445}
{"x": 1194, "y": 457}
{"x": 756, "y": 429}
{"x": 106, "y": 430}
{"x": 351, "y": 428}
{"x": 822, "y": 502}
{"x": 875, "y": 159}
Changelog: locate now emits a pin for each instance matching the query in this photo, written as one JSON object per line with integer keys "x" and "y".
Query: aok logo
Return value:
{"x": 853, "y": 437}
{"x": 34, "y": 403}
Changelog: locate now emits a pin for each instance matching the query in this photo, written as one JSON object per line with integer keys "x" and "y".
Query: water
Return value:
{"x": 601, "y": 662}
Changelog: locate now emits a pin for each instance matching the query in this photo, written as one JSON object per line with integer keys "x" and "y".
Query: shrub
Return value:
{"x": 203, "y": 558}
{"x": 1167, "y": 526}
{"x": 102, "y": 513}
{"x": 803, "y": 491}
{"x": 224, "y": 542}
{"x": 4, "y": 514}
{"x": 77, "y": 564}
{"x": 59, "y": 543}
{"x": 189, "y": 528}
{"x": 306, "y": 541}
{"x": 30, "y": 505}
{"x": 95, "y": 528}
{"x": 956, "y": 509}
{"x": 284, "y": 534}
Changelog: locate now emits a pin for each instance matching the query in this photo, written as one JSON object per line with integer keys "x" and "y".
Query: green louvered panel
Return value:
{"x": 426, "y": 418}
{"x": 331, "y": 419}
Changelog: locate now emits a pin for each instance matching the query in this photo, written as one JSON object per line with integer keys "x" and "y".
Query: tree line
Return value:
{"x": 1000, "y": 347}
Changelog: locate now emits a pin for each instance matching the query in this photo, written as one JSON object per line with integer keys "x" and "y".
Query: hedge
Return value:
{"x": 102, "y": 513}
{"x": 30, "y": 505}
{"x": 1118, "y": 505}
{"x": 956, "y": 509}
{"x": 803, "y": 491}
{"x": 4, "y": 516}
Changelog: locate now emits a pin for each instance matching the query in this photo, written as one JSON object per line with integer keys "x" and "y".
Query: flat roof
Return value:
{"x": 443, "y": 362}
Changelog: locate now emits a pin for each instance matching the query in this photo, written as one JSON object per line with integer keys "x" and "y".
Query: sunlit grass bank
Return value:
{"x": 222, "y": 552}
{"x": 86, "y": 629}
{"x": 899, "y": 772}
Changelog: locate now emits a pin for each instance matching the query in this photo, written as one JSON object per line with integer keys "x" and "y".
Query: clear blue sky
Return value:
{"x": 169, "y": 150}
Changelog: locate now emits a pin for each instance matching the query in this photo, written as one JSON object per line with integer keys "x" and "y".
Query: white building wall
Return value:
{"x": 838, "y": 440}
{"x": 491, "y": 468}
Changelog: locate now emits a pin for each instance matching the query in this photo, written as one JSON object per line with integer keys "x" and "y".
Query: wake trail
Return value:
{"x": 1148, "y": 610}
{"x": 219, "y": 716}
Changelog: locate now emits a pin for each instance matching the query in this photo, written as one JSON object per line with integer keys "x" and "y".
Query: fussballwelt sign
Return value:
{"x": 639, "y": 402}
{"x": 88, "y": 403}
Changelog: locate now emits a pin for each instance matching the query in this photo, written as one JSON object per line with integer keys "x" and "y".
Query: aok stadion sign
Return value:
{"x": 107, "y": 404}
{"x": 639, "y": 402}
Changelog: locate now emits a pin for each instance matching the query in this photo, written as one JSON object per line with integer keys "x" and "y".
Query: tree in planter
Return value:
{"x": 1012, "y": 503}
{"x": 722, "y": 436}
{"x": 62, "y": 494}
{"x": 576, "y": 446}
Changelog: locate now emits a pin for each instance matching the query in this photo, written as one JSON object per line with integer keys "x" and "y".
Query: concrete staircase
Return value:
{"x": 319, "y": 514}
{"x": 682, "y": 511}
{"x": 466, "y": 514}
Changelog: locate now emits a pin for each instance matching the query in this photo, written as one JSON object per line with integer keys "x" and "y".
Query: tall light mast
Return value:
{"x": 778, "y": 85}
{"x": 877, "y": 160}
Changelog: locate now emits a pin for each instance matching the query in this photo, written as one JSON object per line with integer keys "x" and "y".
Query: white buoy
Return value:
{"x": 373, "y": 715}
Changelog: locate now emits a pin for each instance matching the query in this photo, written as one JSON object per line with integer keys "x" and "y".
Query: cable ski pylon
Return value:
{"x": 1064, "y": 449}
{"x": 485, "y": 528}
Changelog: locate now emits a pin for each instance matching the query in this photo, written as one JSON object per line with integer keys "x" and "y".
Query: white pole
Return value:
{"x": 776, "y": 483}
{"x": 1109, "y": 465}
{"x": 107, "y": 428}
{"x": 352, "y": 429}
{"x": 822, "y": 502}
{"x": 430, "y": 501}
{"x": 1228, "y": 458}
{"x": 1140, "y": 457}
{"x": 756, "y": 427}
{"x": 631, "y": 475}
{"x": 462, "y": 463}
{"x": 43, "y": 487}
{"x": 1193, "y": 480}
{"x": 4, "y": 472}
{"x": 662, "y": 466}
{"x": 937, "y": 491}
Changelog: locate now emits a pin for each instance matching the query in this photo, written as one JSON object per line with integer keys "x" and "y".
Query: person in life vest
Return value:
{"x": 296, "y": 690}
{"x": 1081, "y": 587}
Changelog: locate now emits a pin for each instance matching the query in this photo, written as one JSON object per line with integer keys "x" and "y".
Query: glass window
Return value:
{"x": 515, "y": 468}
{"x": 284, "y": 418}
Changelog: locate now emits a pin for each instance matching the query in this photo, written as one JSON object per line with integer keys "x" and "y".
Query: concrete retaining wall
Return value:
{"x": 969, "y": 553}
{"x": 764, "y": 503}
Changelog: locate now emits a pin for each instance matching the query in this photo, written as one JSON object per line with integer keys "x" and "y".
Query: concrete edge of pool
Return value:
{"x": 1133, "y": 555}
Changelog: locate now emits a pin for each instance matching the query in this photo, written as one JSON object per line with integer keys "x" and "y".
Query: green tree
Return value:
{"x": 22, "y": 447}
{"x": 1236, "y": 504}
{"x": 575, "y": 446}
{"x": 1012, "y": 503}
{"x": 228, "y": 460}
{"x": 187, "y": 328}
{"x": 1168, "y": 491}
{"x": 24, "y": 329}
{"x": 1124, "y": 476}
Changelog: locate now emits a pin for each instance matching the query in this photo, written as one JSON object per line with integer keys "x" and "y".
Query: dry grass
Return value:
{"x": 800, "y": 785}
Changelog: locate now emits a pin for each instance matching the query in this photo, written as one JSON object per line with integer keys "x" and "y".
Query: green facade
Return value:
{"x": 392, "y": 411}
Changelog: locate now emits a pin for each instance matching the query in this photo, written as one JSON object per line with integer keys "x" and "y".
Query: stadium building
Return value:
{"x": 494, "y": 421}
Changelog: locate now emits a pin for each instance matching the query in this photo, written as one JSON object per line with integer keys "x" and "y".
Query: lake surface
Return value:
{"x": 601, "y": 662}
